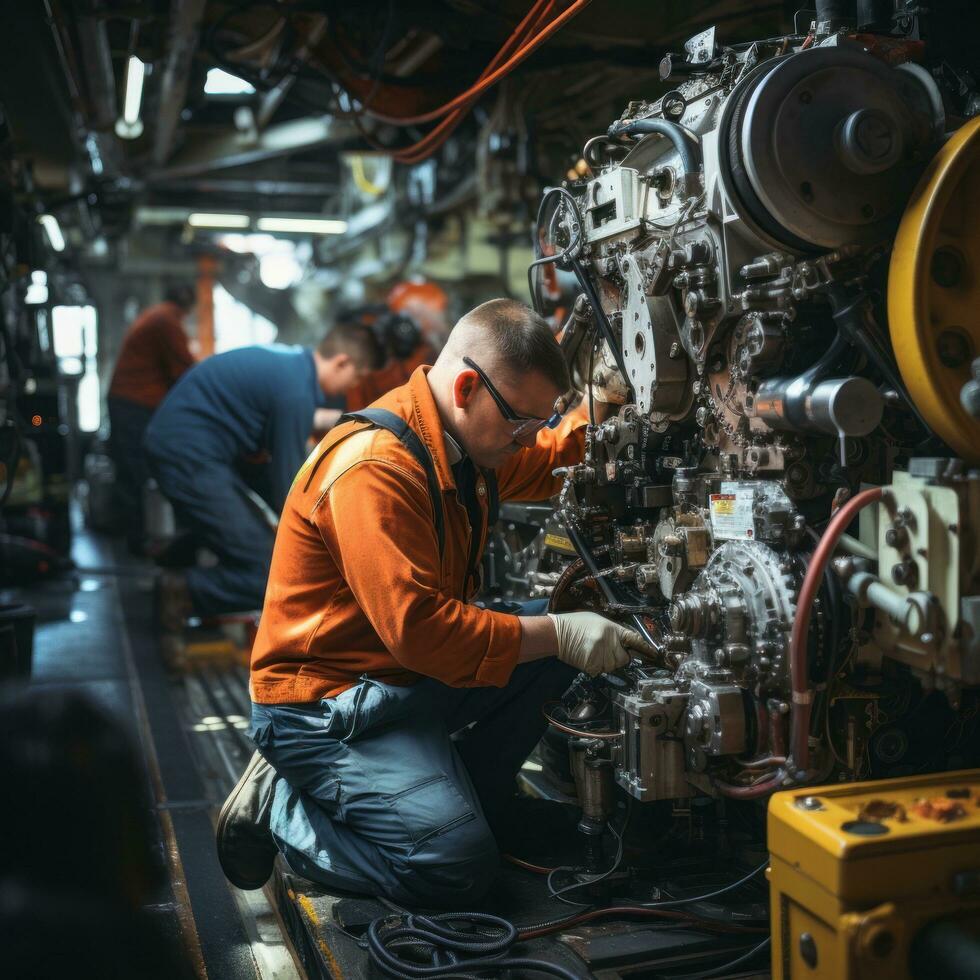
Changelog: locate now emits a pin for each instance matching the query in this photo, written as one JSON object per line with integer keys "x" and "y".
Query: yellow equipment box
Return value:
{"x": 858, "y": 869}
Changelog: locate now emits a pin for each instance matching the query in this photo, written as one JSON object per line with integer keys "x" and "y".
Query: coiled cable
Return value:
{"x": 454, "y": 943}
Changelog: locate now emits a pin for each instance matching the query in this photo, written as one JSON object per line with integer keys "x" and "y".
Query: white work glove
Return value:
{"x": 590, "y": 642}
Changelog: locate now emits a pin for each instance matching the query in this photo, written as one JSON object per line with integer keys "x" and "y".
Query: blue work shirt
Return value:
{"x": 245, "y": 401}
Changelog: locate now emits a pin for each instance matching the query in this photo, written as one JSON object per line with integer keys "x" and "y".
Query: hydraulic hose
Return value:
{"x": 452, "y": 949}
{"x": 802, "y": 696}
{"x": 798, "y": 667}
{"x": 752, "y": 792}
{"x": 685, "y": 142}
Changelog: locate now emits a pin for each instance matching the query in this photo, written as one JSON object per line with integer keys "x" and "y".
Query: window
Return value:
{"x": 235, "y": 325}
{"x": 76, "y": 345}
{"x": 221, "y": 82}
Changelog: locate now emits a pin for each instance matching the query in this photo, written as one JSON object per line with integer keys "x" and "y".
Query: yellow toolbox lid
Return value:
{"x": 834, "y": 834}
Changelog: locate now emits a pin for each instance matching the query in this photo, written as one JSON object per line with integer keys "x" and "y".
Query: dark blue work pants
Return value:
{"x": 127, "y": 424}
{"x": 211, "y": 500}
{"x": 377, "y": 797}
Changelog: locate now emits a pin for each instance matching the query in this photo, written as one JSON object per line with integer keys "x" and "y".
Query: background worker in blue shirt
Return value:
{"x": 254, "y": 401}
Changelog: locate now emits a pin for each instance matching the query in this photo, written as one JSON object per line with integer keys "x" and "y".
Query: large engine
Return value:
{"x": 736, "y": 346}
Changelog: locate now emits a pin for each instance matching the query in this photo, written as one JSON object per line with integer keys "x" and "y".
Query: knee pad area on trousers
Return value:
{"x": 453, "y": 870}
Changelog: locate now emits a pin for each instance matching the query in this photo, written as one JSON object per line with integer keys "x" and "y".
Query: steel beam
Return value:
{"x": 230, "y": 149}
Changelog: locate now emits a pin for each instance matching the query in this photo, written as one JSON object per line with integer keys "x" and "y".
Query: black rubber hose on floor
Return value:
{"x": 454, "y": 943}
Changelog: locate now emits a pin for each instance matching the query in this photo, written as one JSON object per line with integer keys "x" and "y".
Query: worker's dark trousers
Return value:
{"x": 376, "y": 797}
{"x": 128, "y": 422}
{"x": 211, "y": 500}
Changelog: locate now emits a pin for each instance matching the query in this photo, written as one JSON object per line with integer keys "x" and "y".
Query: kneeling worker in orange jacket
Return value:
{"x": 370, "y": 655}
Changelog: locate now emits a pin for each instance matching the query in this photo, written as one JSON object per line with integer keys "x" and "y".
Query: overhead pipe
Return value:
{"x": 100, "y": 79}
{"x": 185, "y": 17}
{"x": 276, "y": 95}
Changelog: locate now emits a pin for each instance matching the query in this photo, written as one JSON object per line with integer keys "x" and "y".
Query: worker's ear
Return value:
{"x": 465, "y": 386}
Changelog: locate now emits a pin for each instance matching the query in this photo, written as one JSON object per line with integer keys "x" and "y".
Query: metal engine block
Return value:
{"x": 729, "y": 240}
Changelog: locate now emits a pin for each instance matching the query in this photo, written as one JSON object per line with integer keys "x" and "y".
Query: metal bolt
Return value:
{"x": 896, "y": 537}
{"x": 675, "y": 350}
{"x": 808, "y": 950}
{"x": 810, "y": 803}
{"x": 905, "y": 573}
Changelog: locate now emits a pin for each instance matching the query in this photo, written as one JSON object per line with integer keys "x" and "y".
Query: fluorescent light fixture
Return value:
{"x": 129, "y": 126}
{"x": 37, "y": 291}
{"x": 221, "y": 82}
{"x": 314, "y": 226}
{"x": 203, "y": 220}
{"x": 53, "y": 230}
{"x": 161, "y": 216}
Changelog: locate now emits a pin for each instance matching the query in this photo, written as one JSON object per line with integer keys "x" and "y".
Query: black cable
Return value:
{"x": 603, "y": 321}
{"x": 451, "y": 951}
{"x": 558, "y": 257}
{"x": 720, "y": 971}
{"x": 605, "y": 586}
{"x": 703, "y": 898}
{"x": 620, "y": 836}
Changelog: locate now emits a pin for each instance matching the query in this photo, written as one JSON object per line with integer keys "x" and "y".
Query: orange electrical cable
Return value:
{"x": 487, "y": 80}
{"x": 436, "y": 137}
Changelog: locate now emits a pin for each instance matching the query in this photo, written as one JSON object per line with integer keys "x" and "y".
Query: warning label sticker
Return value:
{"x": 558, "y": 542}
{"x": 731, "y": 512}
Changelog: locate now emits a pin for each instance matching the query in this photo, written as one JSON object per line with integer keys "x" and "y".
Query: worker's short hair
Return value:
{"x": 522, "y": 340}
{"x": 355, "y": 340}
{"x": 183, "y": 294}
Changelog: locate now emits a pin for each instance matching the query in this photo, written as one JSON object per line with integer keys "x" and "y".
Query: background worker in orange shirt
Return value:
{"x": 411, "y": 327}
{"x": 426, "y": 306}
{"x": 154, "y": 354}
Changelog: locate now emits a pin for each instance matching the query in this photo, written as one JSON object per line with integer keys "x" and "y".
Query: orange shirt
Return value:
{"x": 380, "y": 382}
{"x": 357, "y": 586}
{"x": 153, "y": 356}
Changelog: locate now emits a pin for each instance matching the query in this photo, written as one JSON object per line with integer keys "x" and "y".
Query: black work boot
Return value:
{"x": 246, "y": 849}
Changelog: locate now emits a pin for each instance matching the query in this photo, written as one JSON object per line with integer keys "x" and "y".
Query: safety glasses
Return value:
{"x": 524, "y": 427}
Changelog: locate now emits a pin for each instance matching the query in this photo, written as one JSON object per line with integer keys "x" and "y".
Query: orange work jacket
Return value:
{"x": 356, "y": 584}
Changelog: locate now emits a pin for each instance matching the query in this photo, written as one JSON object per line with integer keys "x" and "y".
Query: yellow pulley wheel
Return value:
{"x": 934, "y": 290}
